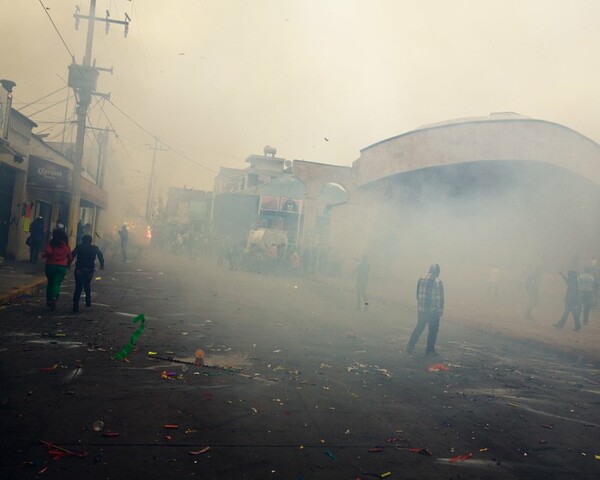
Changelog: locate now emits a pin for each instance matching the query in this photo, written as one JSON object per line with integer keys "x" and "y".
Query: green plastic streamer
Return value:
{"x": 134, "y": 338}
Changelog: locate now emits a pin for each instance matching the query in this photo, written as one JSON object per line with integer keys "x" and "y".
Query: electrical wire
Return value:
{"x": 42, "y": 98}
{"x": 139, "y": 29}
{"x": 57, "y": 30}
{"x": 44, "y": 130}
{"x": 182, "y": 155}
{"x": 48, "y": 107}
{"x": 115, "y": 131}
{"x": 69, "y": 125}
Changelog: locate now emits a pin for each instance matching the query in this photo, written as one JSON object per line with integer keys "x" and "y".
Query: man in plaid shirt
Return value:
{"x": 430, "y": 299}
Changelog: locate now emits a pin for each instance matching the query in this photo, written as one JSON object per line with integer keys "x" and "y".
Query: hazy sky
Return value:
{"x": 220, "y": 79}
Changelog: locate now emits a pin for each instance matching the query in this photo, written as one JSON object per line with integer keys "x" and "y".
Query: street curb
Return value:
{"x": 10, "y": 297}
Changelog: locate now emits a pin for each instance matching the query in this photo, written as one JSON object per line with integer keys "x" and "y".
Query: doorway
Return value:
{"x": 7, "y": 185}
{"x": 44, "y": 210}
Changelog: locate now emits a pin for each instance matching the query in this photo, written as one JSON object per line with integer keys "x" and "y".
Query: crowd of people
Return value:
{"x": 581, "y": 289}
{"x": 580, "y": 296}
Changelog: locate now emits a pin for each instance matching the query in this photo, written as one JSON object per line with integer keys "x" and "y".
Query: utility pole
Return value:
{"x": 83, "y": 79}
{"x": 152, "y": 181}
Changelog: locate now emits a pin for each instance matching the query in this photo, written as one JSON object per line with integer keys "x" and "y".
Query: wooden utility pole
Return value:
{"x": 83, "y": 79}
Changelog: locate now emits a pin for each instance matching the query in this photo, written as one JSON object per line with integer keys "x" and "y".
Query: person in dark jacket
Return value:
{"x": 430, "y": 301}
{"x": 124, "y": 234}
{"x": 58, "y": 258}
{"x": 572, "y": 301}
{"x": 36, "y": 239}
{"x": 86, "y": 254}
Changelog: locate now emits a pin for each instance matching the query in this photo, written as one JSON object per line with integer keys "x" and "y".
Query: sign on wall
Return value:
{"x": 45, "y": 174}
{"x": 269, "y": 203}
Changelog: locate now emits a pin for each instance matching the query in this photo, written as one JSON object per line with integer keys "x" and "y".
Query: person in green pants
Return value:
{"x": 58, "y": 259}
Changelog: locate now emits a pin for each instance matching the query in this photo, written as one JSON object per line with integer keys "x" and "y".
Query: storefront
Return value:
{"x": 15, "y": 136}
{"x": 48, "y": 186}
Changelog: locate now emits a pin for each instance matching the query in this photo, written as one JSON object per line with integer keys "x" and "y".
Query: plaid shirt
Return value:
{"x": 430, "y": 294}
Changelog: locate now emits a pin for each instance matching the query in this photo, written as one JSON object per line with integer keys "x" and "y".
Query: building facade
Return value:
{"x": 35, "y": 181}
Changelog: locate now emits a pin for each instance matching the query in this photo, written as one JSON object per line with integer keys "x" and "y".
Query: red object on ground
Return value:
{"x": 57, "y": 452}
{"x": 461, "y": 458}
{"x": 438, "y": 367}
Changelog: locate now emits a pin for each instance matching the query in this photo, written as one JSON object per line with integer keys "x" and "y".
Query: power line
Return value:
{"x": 49, "y": 106}
{"x": 56, "y": 28}
{"x": 138, "y": 26}
{"x": 68, "y": 125}
{"x": 51, "y": 121}
{"x": 114, "y": 130}
{"x": 42, "y": 98}
{"x": 44, "y": 130}
{"x": 182, "y": 155}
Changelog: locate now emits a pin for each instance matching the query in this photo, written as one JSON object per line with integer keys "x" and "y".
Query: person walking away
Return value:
{"x": 362, "y": 279}
{"x": 430, "y": 301}
{"x": 585, "y": 282}
{"x": 58, "y": 259}
{"x": 36, "y": 239}
{"x": 532, "y": 287}
{"x": 572, "y": 301}
{"x": 86, "y": 254}
{"x": 124, "y": 234}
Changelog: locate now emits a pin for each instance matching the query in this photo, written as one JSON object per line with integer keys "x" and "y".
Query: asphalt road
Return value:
{"x": 298, "y": 385}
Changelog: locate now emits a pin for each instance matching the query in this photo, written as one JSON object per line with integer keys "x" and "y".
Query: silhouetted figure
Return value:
{"x": 124, "y": 234}
{"x": 36, "y": 239}
{"x": 586, "y": 284}
{"x": 572, "y": 301}
{"x": 362, "y": 280}
{"x": 532, "y": 287}
{"x": 86, "y": 254}
{"x": 58, "y": 258}
{"x": 430, "y": 301}
{"x": 87, "y": 229}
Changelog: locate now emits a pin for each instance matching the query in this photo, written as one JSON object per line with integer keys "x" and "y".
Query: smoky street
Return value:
{"x": 291, "y": 240}
{"x": 296, "y": 384}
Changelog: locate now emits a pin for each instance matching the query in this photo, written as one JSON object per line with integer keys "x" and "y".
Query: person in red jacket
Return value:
{"x": 58, "y": 259}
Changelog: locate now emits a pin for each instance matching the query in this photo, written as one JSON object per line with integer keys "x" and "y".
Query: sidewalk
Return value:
{"x": 19, "y": 278}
